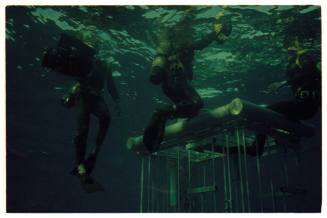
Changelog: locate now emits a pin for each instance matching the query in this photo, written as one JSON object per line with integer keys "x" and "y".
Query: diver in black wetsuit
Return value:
{"x": 74, "y": 57}
{"x": 88, "y": 97}
{"x": 172, "y": 68}
{"x": 304, "y": 79}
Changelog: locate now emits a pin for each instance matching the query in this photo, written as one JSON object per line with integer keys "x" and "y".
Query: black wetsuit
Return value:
{"x": 305, "y": 82}
{"x": 174, "y": 75}
{"x": 176, "y": 85}
{"x": 90, "y": 100}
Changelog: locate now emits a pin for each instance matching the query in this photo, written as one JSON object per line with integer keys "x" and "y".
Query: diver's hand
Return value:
{"x": 273, "y": 87}
{"x": 217, "y": 28}
{"x": 219, "y": 15}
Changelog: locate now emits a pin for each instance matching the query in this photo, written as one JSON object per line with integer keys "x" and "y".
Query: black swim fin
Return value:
{"x": 90, "y": 185}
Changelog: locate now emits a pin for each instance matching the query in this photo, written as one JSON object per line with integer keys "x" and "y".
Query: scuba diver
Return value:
{"x": 75, "y": 58}
{"x": 304, "y": 79}
{"x": 88, "y": 94}
{"x": 172, "y": 69}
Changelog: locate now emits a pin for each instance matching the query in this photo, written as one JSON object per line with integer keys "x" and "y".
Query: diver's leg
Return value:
{"x": 188, "y": 107}
{"x": 101, "y": 111}
{"x": 288, "y": 108}
{"x": 188, "y": 104}
{"x": 154, "y": 132}
{"x": 83, "y": 120}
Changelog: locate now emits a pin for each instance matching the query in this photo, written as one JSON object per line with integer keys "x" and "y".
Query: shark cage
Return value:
{"x": 203, "y": 166}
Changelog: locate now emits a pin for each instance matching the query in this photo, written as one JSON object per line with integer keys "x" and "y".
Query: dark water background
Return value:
{"x": 40, "y": 151}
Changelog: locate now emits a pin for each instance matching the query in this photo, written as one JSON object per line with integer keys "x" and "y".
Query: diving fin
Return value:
{"x": 90, "y": 185}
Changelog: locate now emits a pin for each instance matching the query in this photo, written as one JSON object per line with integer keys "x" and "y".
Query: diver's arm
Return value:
{"x": 205, "y": 41}
{"x": 300, "y": 79}
{"x": 214, "y": 35}
{"x": 220, "y": 32}
{"x": 273, "y": 87}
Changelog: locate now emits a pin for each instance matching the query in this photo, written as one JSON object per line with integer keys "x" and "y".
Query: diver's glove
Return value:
{"x": 69, "y": 99}
{"x": 219, "y": 35}
{"x": 217, "y": 28}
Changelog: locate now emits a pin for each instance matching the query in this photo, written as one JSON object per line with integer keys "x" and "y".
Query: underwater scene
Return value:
{"x": 163, "y": 109}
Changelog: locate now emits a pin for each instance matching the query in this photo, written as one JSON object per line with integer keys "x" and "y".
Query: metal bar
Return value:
{"x": 173, "y": 186}
{"x": 236, "y": 190}
{"x": 189, "y": 177}
{"x": 226, "y": 204}
{"x": 189, "y": 168}
{"x": 272, "y": 195}
{"x": 259, "y": 179}
{"x": 285, "y": 170}
{"x": 240, "y": 169}
{"x": 178, "y": 182}
{"x": 285, "y": 175}
{"x": 167, "y": 188}
{"x": 230, "y": 203}
{"x": 162, "y": 201}
{"x": 149, "y": 183}
{"x": 202, "y": 189}
{"x": 142, "y": 185}
{"x": 246, "y": 172}
{"x": 203, "y": 194}
{"x": 152, "y": 196}
{"x": 153, "y": 184}
{"x": 214, "y": 180}
{"x": 284, "y": 196}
